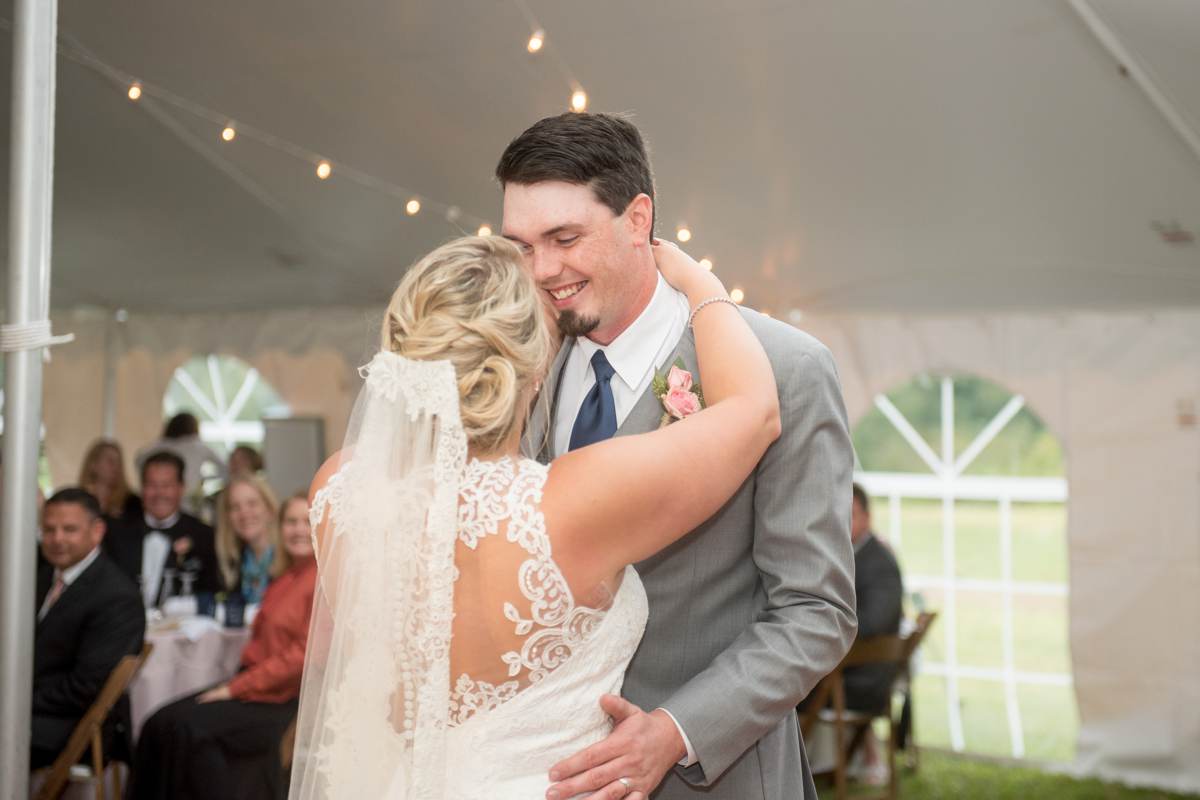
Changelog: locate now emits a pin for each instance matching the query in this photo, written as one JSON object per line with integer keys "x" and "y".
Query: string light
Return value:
{"x": 536, "y": 41}
{"x": 135, "y": 92}
{"x": 229, "y": 134}
{"x": 412, "y": 207}
{"x": 485, "y": 230}
{"x": 579, "y": 101}
{"x": 706, "y": 263}
{"x": 737, "y": 296}
{"x": 684, "y": 233}
{"x": 324, "y": 170}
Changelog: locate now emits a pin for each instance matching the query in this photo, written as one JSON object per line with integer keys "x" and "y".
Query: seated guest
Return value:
{"x": 248, "y": 537}
{"x": 190, "y": 748}
{"x": 880, "y": 594}
{"x": 164, "y": 537}
{"x": 103, "y": 475}
{"x": 89, "y": 616}
{"x": 181, "y": 436}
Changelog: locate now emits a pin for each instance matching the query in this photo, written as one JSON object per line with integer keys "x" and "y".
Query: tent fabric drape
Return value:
{"x": 1121, "y": 391}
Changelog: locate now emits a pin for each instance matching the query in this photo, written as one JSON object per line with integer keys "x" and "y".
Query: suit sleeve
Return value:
{"x": 806, "y": 566}
{"x": 117, "y": 629}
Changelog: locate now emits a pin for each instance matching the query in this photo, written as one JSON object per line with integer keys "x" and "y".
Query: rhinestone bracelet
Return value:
{"x": 704, "y": 303}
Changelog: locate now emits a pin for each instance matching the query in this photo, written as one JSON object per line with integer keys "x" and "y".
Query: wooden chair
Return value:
{"x": 850, "y": 727}
{"x": 287, "y": 747}
{"x": 88, "y": 732}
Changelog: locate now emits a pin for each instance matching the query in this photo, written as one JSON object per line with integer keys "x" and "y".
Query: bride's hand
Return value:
{"x": 684, "y": 273}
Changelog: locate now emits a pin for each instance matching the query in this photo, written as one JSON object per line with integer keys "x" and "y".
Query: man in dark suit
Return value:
{"x": 89, "y": 616}
{"x": 166, "y": 537}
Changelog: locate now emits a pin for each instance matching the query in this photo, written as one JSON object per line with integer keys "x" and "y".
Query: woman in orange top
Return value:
{"x": 187, "y": 749}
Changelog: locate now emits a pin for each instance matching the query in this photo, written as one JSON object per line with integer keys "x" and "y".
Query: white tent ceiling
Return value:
{"x": 918, "y": 156}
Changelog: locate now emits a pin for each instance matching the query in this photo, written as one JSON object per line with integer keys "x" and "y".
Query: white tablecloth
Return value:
{"x": 189, "y": 655}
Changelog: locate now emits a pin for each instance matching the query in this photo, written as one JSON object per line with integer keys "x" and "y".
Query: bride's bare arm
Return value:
{"x": 620, "y": 501}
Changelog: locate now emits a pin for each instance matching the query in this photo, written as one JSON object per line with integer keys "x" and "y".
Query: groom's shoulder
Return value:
{"x": 787, "y": 346}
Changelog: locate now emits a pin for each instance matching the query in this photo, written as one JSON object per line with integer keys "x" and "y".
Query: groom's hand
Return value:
{"x": 641, "y": 748}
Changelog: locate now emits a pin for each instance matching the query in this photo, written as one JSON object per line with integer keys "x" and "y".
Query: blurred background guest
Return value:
{"x": 103, "y": 475}
{"x": 89, "y": 616}
{"x": 248, "y": 537}
{"x": 181, "y": 436}
{"x": 203, "y": 745}
{"x": 245, "y": 460}
{"x": 165, "y": 537}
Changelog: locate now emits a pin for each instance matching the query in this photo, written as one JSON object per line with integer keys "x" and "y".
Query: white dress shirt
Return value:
{"x": 635, "y": 355}
{"x": 68, "y": 577}
{"x": 156, "y": 546}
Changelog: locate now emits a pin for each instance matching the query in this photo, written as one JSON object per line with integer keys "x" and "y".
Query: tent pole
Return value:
{"x": 1109, "y": 40}
{"x": 112, "y": 351}
{"x": 28, "y": 283}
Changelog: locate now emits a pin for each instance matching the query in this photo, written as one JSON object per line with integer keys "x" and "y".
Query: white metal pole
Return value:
{"x": 28, "y": 282}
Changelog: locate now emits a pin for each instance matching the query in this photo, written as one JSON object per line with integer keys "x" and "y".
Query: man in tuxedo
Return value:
{"x": 166, "y": 537}
{"x": 754, "y": 607}
{"x": 89, "y": 616}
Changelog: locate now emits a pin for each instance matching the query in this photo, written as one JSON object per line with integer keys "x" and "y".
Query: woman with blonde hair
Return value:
{"x": 189, "y": 748}
{"x": 248, "y": 551}
{"x": 472, "y": 604}
{"x": 103, "y": 475}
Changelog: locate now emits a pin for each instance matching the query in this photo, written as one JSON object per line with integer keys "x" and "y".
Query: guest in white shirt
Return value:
{"x": 165, "y": 537}
{"x": 89, "y": 616}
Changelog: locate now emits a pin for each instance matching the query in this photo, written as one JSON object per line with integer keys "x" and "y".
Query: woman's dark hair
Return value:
{"x": 181, "y": 425}
{"x": 604, "y": 152}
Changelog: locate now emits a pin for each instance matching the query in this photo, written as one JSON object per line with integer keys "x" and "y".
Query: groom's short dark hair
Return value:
{"x": 605, "y": 152}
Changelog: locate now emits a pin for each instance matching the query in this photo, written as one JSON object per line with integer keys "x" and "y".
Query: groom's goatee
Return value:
{"x": 576, "y": 325}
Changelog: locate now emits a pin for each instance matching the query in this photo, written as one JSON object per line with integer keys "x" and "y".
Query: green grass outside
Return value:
{"x": 946, "y": 777}
{"x": 1048, "y": 716}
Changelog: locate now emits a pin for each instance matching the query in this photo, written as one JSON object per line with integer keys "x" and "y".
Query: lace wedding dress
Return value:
{"x": 449, "y": 656}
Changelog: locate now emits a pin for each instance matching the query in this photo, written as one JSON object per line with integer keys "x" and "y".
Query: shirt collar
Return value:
{"x": 70, "y": 574}
{"x": 632, "y": 354}
{"x": 162, "y": 524}
{"x": 861, "y": 543}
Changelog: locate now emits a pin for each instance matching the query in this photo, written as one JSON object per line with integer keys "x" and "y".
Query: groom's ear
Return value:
{"x": 639, "y": 218}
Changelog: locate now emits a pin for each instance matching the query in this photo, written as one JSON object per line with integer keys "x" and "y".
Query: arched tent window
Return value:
{"x": 968, "y": 487}
{"x": 228, "y": 396}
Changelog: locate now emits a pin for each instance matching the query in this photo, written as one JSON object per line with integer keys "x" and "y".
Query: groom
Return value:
{"x": 755, "y": 606}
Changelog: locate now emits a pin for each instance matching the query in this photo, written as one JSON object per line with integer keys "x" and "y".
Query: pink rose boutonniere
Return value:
{"x": 680, "y": 396}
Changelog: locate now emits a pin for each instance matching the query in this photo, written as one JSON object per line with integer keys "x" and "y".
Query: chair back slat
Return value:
{"x": 87, "y": 727}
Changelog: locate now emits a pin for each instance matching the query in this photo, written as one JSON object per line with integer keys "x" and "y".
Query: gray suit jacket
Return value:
{"x": 755, "y": 606}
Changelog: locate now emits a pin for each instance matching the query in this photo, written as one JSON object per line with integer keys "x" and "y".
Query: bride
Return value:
{"x": 474, "y": 605}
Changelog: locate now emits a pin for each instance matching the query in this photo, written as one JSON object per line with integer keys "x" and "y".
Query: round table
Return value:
{"x": 189, "y": 655}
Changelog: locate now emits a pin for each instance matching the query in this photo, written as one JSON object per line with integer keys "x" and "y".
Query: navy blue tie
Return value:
{"x": 597, "y": 419}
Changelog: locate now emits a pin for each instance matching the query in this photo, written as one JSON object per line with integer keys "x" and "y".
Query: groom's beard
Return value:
{"x": 576, "y": 325}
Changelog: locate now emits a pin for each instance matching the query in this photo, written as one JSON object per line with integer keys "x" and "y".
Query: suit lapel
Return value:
{"x": 646, "y": 414}
{"x": 75, "y": 592}
{"x": 539, "y": 438}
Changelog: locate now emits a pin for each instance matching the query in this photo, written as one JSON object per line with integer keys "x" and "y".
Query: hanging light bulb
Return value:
{"x": 453, "y": 213}
{"x": 706, "y": 263}
{"x": 579, "y": 101}
{"x": 536, "y": 41}
{"x": 485, "y": 230}
{"x": 229, "y": 134}
{"x": 737, "y": 296}
{"x": 324, "y": 170}
{"x": 135, "y": 92}
{"x": 412, "y": 207}
{"x": 684, "y": 233}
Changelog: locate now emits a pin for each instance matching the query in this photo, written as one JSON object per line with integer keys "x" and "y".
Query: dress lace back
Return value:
{"x": 536, "y": 624}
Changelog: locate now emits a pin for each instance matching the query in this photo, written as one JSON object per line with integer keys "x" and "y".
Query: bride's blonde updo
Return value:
{"x": 471, "y": 302}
